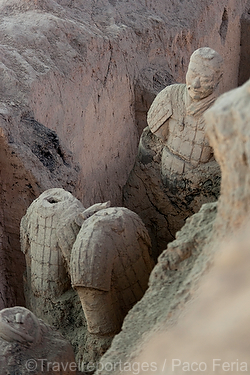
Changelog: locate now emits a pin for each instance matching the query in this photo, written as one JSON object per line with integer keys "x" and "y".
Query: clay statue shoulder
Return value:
{"x": 162, "y": 107}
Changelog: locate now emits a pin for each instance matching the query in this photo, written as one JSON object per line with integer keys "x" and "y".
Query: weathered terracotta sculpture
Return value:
{"x": 110, "y": 266}
{"x": 48, "y": 232}
{"x": 104, "y": 255}
{"x": 176, "y": 114}
{"x": 24, "y": 340}
{"x": 175, "y": 171}
{"x": 45, "y": 243}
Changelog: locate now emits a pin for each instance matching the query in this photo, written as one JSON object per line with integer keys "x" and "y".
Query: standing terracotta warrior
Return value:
{"x": 176, "y": 115}
{"x": 175, "y": 171}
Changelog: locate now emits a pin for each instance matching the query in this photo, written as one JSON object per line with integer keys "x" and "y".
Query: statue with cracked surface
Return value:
{"x": 48, "y": 232}
{"x": 110, "y": 266}
{"x": 102, "y": 251}
{"x": 176, "y": 114}
{"x": 175, "y": 171}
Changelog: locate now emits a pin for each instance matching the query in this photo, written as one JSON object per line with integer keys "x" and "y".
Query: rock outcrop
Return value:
{"x": 228, "y": 132}
{"x": 211, "y": 336}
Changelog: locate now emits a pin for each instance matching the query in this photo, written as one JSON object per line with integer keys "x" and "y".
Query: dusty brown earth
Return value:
{"x": 212, "y": 337}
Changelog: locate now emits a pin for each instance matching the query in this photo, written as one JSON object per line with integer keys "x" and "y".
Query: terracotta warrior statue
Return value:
{"x": 102, "y": 252}
{"x": 48, "y": 232}
{"x": 176, "y": 114}
{"x": 175, "y": 171}
{"x": 110, "y": 266}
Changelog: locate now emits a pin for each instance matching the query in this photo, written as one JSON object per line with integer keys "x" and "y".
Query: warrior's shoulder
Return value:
{"x": 162, "y": 107}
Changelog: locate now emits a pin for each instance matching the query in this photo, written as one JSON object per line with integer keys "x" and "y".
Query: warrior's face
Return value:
{"x": 201, "y": 80}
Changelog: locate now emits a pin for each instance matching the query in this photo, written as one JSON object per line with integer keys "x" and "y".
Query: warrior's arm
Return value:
{"x": 160, "y": 112}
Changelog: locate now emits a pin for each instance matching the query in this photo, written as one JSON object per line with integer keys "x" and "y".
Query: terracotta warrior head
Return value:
{"x": 204, "y": 73}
